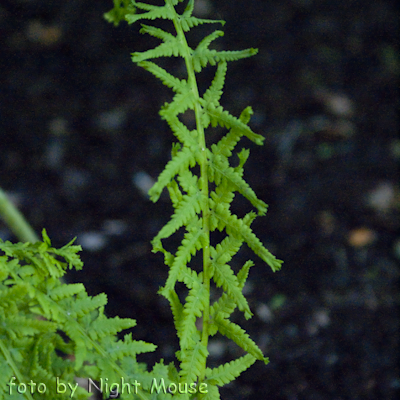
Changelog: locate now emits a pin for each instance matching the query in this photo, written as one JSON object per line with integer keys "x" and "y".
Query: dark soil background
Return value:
{"x": 81, "y": 140}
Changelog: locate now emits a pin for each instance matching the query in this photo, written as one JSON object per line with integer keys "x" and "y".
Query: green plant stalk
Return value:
{"x": 15, "y": 220}
{"x": 205, "y": 209}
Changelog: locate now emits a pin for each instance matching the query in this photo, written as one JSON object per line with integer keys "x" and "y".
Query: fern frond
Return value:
{"x": 63, "y": 291}
{"x": 239, "y": 184}
{"x": 203, "y": 57}
{"x": 176, "y": 308}
{"x": 214, "y": 92}
{"x": 84, "y": 304}
{"x": 195, "y": 303}
{"x": 225, "y": 305}
{"x": 176, "y": 84}
{"x": 181, "y": 102}
{"x": 219, "y": 116}
{"x": 199, "y": 207}
{"x": 228, "y": 142}
{"x": 162, "y": 50}
{"x": 153, "y": 13}
{"x": 230, "y": 371}
{"x": 19, "y": 325}
{"x": 186, "y": 137}
{"x": 224, "y": 276}
{"x": 188, "y": 182}
{"x": 184, "y": 213}
{"x": 240, "y": 337}
{"x": 190, "y": 244}
{"x": 103, "y": 326}
{"x": 192, "y": 362}
{"x": 212, "y": 393}
{"x": 158, "y": 33}
{"x": 189, "y": 22}
{"x": 238, "y": 228}
{"x": 174, "y": 193}
{"x": 118, "y": 349}
{"x": 179, "y": 162}
{"x": 118, "y": 13}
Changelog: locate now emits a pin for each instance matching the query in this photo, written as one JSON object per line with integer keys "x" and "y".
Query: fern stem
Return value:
{"x": 15, "y": 220}
{"x": 205, "y": 208}
{"x": 13, "y": 366}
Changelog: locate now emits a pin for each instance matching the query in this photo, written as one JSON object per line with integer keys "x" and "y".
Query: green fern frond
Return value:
{"x": 225, "y": 305}
{"x": 176, "y": 308}
{"x": 224, "y": 276}
{"x": 63, "y": 291}
{"x": 190, "y": 244}
{"x": 103, "y": 326}
{"x": 19, "y": 325}
{"x": 32, "y": 346}
{"x": 228, "y": 372}
{"x": 181, "y": 102}
{"x": 238, "y": 183}
{"x": 186, "y": 137}
{"x": 181, "y": 161}
{"x": 158, "y": 33}
{"x": 162, "y": 50}
{"x": 212, "y": 393}
{"x": 154, "y": 12}
{"x": 117, "y": 349}
{"x": 202, "y": 57}
{"x": 175, "y": 193}
{"x": 214, "y": 92}
{"x": 199, "y": 207}
{"x": 223, "y": 118}
{"x": 190, "y": 22}
{"x": 83, "y": 304}
{"x": 176, "y": 84}
{"x": 240, "y": 337}
{"x": 227, "y": 143}
{"x": 192, "y": 362}
{"x": 187, "y": 209}
{"x": 237, "y": 228}
{"x": 195, "y": 303}
{"x": 118, "y": 13}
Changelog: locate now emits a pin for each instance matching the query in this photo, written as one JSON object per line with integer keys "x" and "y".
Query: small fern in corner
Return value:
{"x": 52, "y": 332}
{"x": 201, "y": 200}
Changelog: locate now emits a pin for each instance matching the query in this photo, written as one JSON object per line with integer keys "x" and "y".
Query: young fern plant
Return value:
{"x": 201, "y": 201}
{"x": 52, "y": 332}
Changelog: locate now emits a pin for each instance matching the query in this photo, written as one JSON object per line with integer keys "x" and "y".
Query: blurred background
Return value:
{"x": 81, "y": 143}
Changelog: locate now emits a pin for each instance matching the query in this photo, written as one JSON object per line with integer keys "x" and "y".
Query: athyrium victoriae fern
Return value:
{"x": 199, "y": 209}
{"x": 51, "y": 332}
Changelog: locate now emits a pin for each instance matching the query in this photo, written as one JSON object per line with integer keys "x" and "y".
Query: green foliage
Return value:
{"x": 52, "y": 332}
{"x": 202, "y": 199}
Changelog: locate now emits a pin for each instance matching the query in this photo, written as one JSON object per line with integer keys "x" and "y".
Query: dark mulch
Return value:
{"x": 81, "y": 137}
